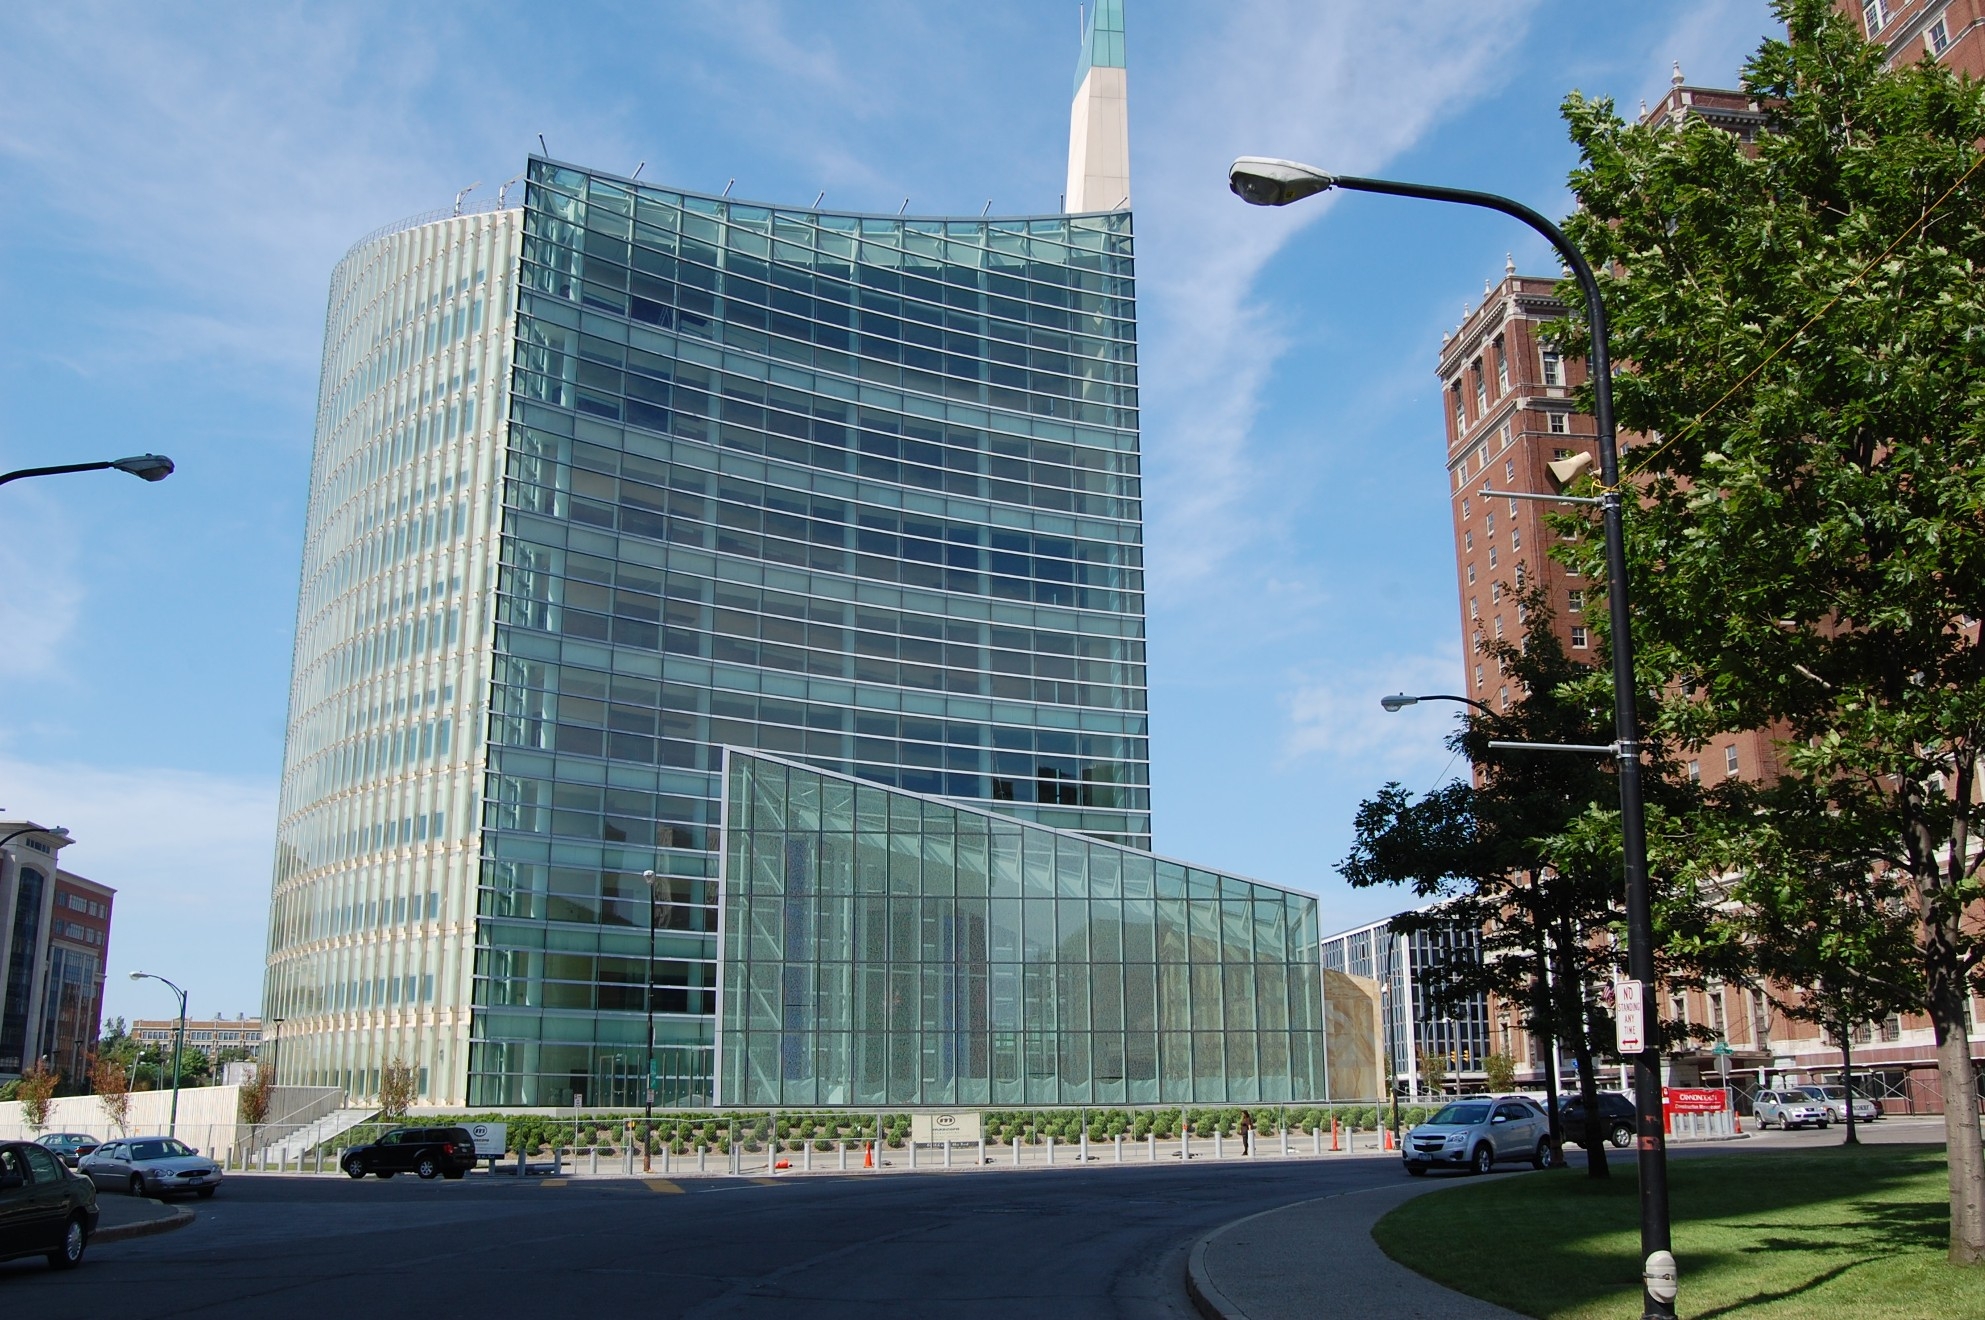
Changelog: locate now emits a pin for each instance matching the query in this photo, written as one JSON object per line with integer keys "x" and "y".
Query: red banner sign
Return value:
{"x": 1688, "y": 1100}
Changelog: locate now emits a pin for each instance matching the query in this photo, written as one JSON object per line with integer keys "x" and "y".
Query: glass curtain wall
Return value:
{"x": 371, "y": 923}
{"x": 882, "y": 948}
{"x": 858, "y": 490}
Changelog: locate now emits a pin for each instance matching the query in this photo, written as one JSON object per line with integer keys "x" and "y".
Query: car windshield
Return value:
{"x": 166, "y": 1149}
{"x": 1822, "y": 1092}
{"x": 1461, "y": 1115}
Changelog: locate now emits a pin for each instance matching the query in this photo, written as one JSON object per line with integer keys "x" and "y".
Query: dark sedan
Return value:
{"x": 68, "y": 1146}
{"x": 45, "y": 1210}
{"x": 1616, "y": 1119}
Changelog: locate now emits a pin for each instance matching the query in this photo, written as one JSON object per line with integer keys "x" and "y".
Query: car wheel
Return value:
{"x": 1821, "y": 1125}
{"x": 355, "y": 1167}
{"x": 1621, "y": 1136}
{"x": 427, "y": 1169}
{"x": 205, "y": 1193}
{"x": 1485, "y": 1159}
{"x": 136, "y": 1186}
{"x": 75, "y": 1241}
{"x": 1416, "y": 1170}
{"x": 1546, "y": 1156}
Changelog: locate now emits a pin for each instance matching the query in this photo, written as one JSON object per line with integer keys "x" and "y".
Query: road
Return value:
{"x": 1100, "y": 1242}
{"x": 1043, "y": 1244}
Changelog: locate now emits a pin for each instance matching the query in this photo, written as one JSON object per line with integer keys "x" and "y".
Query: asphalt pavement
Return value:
{"x": 1101, "y": 1241}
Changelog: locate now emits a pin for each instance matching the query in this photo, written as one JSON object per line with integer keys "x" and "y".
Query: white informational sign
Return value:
{"x": 489, "y": 1138}
{"x": 1630, "y": 1010}
{"x": 952, "y": 1125}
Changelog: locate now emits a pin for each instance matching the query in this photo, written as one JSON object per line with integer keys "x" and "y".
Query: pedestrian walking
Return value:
{"x": 1247, "y": 1130}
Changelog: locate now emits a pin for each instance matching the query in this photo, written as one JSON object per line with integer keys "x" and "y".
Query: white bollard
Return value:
{"x": 1051, "y": 1151}
{"x": 982, "y": 1152}
{"x": 1285, "y": 1140}
{"x": 702, "y": 1157}
{"x": 1151, "y": 1140}
{"x": 1082, "y": 1154}
{"x": 806, "y": 1157}
{"x": 1016, "y": 1152}
{"x": 593, "y": 1163}
{"x": 1316, "y": 1139}
{"x": 843, "y": 1156}
{"x": 1218, "y": 1152}
{"x": 1119, "y": 1140}
{"x": 913, "y": 1153}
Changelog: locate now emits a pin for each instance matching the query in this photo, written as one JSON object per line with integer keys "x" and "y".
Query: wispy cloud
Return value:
{"x": 41, "y": 593}
{"x": 1347, "y": 86}
{"x": 189, "y": 855}
{"x": 1337, "y": 717}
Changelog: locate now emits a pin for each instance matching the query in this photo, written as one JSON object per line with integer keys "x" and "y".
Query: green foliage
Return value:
{"x": 397, "y": 1087}
{"x": 1805, "y": 324}
{"x": 1499, "y": 1070}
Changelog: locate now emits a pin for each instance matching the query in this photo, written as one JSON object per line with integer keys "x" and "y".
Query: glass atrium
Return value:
{"x": 884, "y": 948}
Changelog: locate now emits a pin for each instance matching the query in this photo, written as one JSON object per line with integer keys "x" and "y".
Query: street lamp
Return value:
{"x": 148, "y": 467}
{"x": 178, "y": 1043}
{"x": 1264, "y": 181}
{"x": 1399, "y": 701}
{"x": 648, "y": 999}
{"x": 275, "y": 1052}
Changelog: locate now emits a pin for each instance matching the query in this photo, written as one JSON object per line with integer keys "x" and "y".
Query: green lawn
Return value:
{"x": 1832, "y": 1232}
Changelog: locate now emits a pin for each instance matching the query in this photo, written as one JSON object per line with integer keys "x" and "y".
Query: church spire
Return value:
{"x": 1099, "y": 119}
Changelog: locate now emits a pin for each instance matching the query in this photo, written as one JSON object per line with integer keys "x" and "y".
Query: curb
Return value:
{"x": 179, "y": 1218}
{"x": 1206, "y": 1296}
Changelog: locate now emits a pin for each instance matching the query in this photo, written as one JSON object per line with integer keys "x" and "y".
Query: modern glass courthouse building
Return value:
{"x": 612, "y": 482}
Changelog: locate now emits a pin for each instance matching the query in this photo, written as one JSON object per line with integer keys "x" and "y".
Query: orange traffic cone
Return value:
{"x": 1388, "y": 1138}
{"x": 1333, "y": 1132}
{"x": 868, "y": 1155}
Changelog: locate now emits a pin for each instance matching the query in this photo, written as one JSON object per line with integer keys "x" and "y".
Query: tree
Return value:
{"x": 111, "y": 1082}
{"x": 1433, "y": 1072}
{"x": 37, "y": 1088}
{"x": 1500, "y": 1070}
{"x": 1528, "y": 855}
{"x": 253, "y": 1101}
{"x": 397, "y": 1083}
{"x": 1810, "y": 908}
{"x": 1804, "y": 320}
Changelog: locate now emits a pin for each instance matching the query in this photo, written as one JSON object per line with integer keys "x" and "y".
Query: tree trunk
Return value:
{"x": 1847, "y": 1081}
{"x": 1965, "y": 1154}
{"x": 1571, "y": 985}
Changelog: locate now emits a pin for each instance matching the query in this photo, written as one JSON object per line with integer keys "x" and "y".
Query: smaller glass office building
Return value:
{"x": 881, "y": 947}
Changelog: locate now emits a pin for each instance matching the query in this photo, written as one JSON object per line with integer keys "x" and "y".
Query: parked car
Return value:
{"x": 150, "y": 1166}
{"x": 45, "y": 1210}
{"x": 1616, "y": 1118}
{"x": 446, "y": 1152}
{"x": 1473, "y": 1134}
{"x": 68, "y": 1146}
{"x": 1789, "y": 1109}
{"x": 1835, "y": 1100}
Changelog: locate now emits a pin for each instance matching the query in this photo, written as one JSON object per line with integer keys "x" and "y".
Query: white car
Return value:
{"x": 1791, "y": 1108}
{"x": 1835, "y": 1100}
{"x": 150, "y": 1166}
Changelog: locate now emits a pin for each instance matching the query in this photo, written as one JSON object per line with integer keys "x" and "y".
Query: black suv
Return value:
{"x": 447, "y": 1152}
{"x": 1616, "y": 1113}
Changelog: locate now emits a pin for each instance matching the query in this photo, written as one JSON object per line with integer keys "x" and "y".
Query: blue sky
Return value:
{"x": 179, "y": 181}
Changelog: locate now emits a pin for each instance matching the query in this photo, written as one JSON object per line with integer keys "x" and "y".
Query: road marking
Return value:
{"x": 766, "y": 1182}
{"x": 552, "y": 1182}
{"x": 663, "y": 1186}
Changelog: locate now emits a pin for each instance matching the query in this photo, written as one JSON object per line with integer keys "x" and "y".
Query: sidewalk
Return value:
{"x": 1316, "y": 1260}
{"x": 122, "y": 1217}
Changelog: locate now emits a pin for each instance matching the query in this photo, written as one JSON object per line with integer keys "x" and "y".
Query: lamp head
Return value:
{"x": 139, "y": 976}
{"x": 151, "y": 467}
{"x": 1266, "y": 181}
{"x": 1397, "y": 702}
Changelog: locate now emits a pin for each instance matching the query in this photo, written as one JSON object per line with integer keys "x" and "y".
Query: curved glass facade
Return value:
{"x": 378, "y": 841}
{"x": 882, "y": 948}
{"x": 857, "y": 490}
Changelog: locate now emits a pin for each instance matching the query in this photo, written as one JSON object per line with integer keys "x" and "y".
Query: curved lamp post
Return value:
{"x": 1399, "y": 701}
{"x": 1265, "y": 181}
{"x": 150, "y": 467}
{"x": 178, "y": 1043}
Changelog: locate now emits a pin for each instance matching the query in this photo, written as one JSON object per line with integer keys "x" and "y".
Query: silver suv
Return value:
{"x": 1834, "y": 1098}
{"x": 1789, "y": 1108}
{"x": 1473, "y": 1134}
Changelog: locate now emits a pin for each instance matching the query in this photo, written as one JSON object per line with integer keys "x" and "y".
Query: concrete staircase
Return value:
{"x": 300, "y": 1142}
